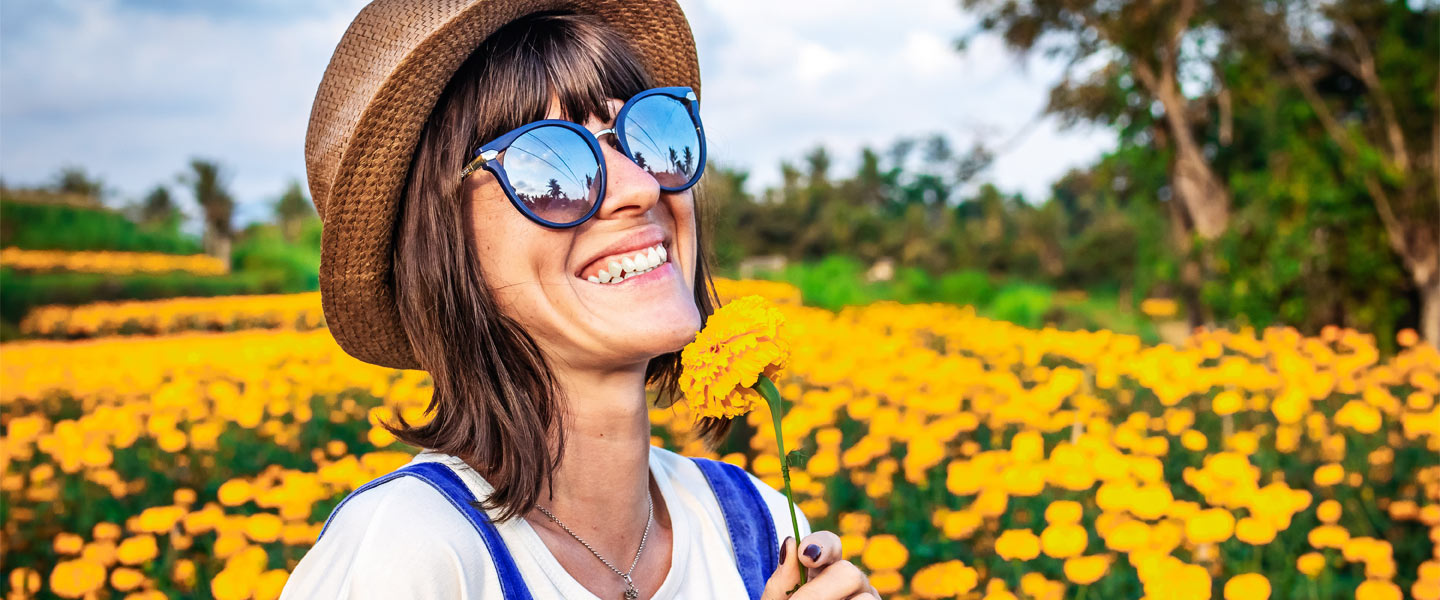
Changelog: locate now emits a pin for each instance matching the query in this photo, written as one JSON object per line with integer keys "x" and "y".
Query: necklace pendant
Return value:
{"x": 632, "y": 594}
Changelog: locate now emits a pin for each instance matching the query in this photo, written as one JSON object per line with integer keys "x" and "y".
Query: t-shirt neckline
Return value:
{"x": 680, "y": 534}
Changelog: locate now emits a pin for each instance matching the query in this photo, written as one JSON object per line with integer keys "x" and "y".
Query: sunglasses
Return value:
{"x": 553, "y": 170}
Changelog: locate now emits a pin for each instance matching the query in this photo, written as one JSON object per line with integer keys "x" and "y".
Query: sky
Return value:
{"x": 131, "y": 90}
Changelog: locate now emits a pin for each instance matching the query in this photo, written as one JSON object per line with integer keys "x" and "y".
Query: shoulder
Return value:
{"x": 686, "y": 473}
{"x": 398, "y": 538}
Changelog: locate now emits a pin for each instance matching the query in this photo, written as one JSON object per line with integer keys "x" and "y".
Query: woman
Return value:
{"x": 506, "y": 188}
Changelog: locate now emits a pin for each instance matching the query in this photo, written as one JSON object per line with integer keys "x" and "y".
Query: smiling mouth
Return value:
{"x": 615, "y": 269}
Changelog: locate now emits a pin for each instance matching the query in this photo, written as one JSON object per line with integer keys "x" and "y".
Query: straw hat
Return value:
{"x": 381, "y": 85}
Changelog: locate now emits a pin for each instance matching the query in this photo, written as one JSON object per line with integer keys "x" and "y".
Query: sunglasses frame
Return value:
{"x": 485, "y": 156}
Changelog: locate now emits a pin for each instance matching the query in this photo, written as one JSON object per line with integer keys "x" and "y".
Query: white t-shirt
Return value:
{"x": 404, "y": 539}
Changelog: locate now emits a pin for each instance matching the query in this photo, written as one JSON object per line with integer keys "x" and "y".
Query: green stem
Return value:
{"x": 1081, "y": 594}
{"x": 777, "y": 411}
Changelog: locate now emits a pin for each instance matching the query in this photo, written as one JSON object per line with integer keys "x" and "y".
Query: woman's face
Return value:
{"x": 540, "y": 276}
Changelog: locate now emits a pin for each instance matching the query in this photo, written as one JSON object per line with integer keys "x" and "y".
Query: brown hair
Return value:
{"x": 496, "y": 404}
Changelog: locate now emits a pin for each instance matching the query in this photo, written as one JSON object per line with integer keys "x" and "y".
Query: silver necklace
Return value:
{"x": 630, "y": 592}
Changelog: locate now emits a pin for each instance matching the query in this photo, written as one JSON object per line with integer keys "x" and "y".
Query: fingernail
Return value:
{"x": 783, "y": 551}
{"x": 813, "y": 551}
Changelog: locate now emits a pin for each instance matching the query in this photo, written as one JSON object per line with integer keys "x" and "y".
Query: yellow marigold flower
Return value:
{"x": 1328, "y": 536}
{"x": 231, "y": 584}
{"x": 105, "y": 531}
{"x": 1150, "y": 501}
{"x": 1063, "y": 540}
{"x": 159, "y": 519}
{"x": 76, "y": 578}
{"x": 1311, "y": 564}
{"x": 1329, "y": 474}
{"x": 263, "y": 527}
{"x": 739, "y": 343}
{"x": 1127, "y": 536}
{"x": 67, "y": 543}
{"x": 1085, "y": 570}
{"x": 1375, "y": 589}
{"x": 25, "y": 580}
{"x": 126, "y": 579}
{"x": 944, "y": 580}
{"x": 1328, "y": 512}
{"x": 183, "y": 573}
{"x": 1254, "y": 531}
{"x": 1018, "y": 544}
{"x": 234, "y": 492}
{"x": 1249, "y": 586}
{"x": 1212, "y": 525}
{"x": 137, "y": 549}
{"x": 146, "y": 595}
{"x": 270, "y": 583}
{"x": 855, "y": 522}
{"x": 184, "y": 496}
{"x": 1063, "y": 511}
{"x": 887, "y": 582}
{"x": 884, "y": 552}
{"x": 102, "y": 552}
{"x": 1194, "y": 441}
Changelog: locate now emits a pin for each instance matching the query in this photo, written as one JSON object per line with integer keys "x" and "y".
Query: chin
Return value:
{"x": 666, "y": 332}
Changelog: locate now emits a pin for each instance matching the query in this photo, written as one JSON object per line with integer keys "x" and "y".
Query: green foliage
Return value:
{"x": 39, "y": 226}
{"x": 264, "y": 250}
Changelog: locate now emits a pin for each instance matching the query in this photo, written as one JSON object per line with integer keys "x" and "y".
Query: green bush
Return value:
{"x": 264, "y": 250}
{"x": 37, "y": 226}
{"x": 1021, "y": 303}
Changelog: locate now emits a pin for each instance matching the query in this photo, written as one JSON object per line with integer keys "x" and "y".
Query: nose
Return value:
{"x": 629, "y": 189}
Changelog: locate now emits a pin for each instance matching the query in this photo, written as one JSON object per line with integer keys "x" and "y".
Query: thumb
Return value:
{"x": 787, "y": 575}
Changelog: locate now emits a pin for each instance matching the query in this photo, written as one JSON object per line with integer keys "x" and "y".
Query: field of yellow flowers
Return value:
{"x": 959, "y": 457}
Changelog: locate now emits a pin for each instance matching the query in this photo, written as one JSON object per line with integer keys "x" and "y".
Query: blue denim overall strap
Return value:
{"x": 748, "y": 519}
{"x": 445, "y": 481}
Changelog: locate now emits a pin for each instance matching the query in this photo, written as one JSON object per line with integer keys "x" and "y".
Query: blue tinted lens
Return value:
{"x": 663, "y": 139}
{"x": 554, "y": 173}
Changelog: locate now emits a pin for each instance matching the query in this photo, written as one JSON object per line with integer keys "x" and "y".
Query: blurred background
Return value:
{"x": 1196, "y": 241}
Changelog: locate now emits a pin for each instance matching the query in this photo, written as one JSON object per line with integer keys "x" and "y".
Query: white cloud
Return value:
{"x": 133, "y": 89}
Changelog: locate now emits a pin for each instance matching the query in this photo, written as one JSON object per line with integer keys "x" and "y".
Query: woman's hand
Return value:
{"x": 830, "y": 578}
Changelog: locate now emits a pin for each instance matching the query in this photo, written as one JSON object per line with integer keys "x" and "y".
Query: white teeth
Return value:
{"x": 631, "y": 266}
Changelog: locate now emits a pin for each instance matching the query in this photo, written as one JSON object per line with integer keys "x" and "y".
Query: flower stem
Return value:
{"x": 777, "y": 412}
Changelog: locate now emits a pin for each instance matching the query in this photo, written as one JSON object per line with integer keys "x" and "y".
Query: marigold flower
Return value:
{"x": 1254, "y": 531}
{"x": 1375, "y": 589}
{"x": 1311, "y": 564}
{"x": 1018, "y": 544}
{"x": 885, "y": 553}
{"x": 944, "y": 580}
{"x": 1085, "y": 570}
{"x": 126, "y": 579}
{"x": 1328, "y": 512}
{"x": 1063, "y": 540}
{"x": 76, "y": 578}
{"x": 137, "y": 549}
{"x": 1249, "y": 586}
{"x": 1063, "y": 511}
{"x": 1212, "y": 525}
{"x": 739, "y": 343}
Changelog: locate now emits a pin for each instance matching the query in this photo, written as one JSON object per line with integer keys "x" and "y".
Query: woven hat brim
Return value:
{"x": 360, "y": 142}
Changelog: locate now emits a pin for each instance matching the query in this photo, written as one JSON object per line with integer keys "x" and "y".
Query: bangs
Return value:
{"x": 531, "y": 60}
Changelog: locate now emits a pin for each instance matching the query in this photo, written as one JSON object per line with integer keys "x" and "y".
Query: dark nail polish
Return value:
{"x": 784, "y": 552}
{"x": 813, "y": 551}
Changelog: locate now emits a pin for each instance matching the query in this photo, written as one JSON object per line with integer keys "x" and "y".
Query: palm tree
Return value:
{"x": 208, "y": 187}
{"x": 158, "y": 209}
{"x": 292, "y": 209}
